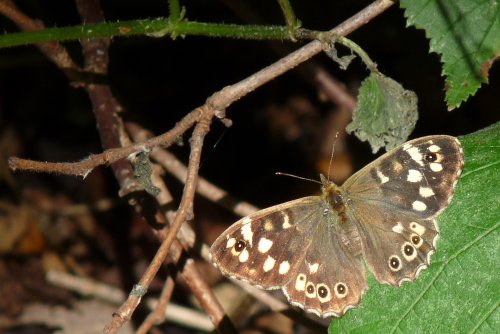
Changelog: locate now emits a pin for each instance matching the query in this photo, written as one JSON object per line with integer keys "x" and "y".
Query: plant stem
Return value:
{"x": 174, "y": 10}
{"x": 154, "y": 28}
{"x": 372, "y": 66}
{"x": 290, "y": 18}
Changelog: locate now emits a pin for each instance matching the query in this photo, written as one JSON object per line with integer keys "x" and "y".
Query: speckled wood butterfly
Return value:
{"x": 311, "y": 248}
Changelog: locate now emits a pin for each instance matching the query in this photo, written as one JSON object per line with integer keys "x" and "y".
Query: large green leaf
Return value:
{"x": 466, "y": 34}
{"x": 460, "y": 291}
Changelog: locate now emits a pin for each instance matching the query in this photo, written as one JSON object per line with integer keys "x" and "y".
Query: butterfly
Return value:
{"x": 313, "y": 247}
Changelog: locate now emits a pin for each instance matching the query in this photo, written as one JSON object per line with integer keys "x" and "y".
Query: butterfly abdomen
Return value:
{"x": 347, "y": 231}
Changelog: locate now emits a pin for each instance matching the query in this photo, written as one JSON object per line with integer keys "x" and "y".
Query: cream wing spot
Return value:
{"x": 434, "y": 148}
{"x": 286, "y": 220}
{"x": 313, "y": 268}
{"x": 397, "y": 167}
{"x": 244, "y": 256}
{"x": 264, "y": 245}
{"x": 269, "y": 264}
{"x": 426, "y": 192}
{"x": 382, "y": 177}
{"x": 419, "y": 206}
{"x": 268, "y": 225}
{"x": 230, "y": 242}
{"x": 417, "y": 228}
{"x": 398, "y": 228}
{"x": 415, "y": 155}
{"x": 414, "y": 176}
{"x": 247, "y": 233}
{"x": 284, "y": 267}
{"x": 436, "y": 167}
{"x": 300, "y": 282}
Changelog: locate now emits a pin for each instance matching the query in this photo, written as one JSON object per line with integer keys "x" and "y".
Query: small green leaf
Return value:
{"x": 460, "y": 291}
{"x": 385, "y": 113}
{"x": 466, "y": 35}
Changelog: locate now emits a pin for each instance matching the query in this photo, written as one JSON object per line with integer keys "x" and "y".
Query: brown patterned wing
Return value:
{"x": 417, "y": 179}
{"x": 395, "y": 200}
{"x": 266, "y": 247}
{"x": 395, "y": 247}
{"x": 294, "y": 246}
{"x": 329, "y": 279}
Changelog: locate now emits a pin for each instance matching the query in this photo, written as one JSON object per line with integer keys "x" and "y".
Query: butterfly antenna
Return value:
{"x": 331, "y": 156}
{"x": 220, "y": 138}
{"x": 298, "y": 177}
{"x": 214, "y": 146}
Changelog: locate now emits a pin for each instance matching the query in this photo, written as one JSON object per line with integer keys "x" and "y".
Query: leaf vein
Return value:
{"x": 439, "y": 272}
{"x": 480, "y": 168}
{"x": 486, "y": 316}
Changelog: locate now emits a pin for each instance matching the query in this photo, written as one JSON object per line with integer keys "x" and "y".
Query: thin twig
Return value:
{"x": 53, "y": 50}
{"x": 83, "y": 167}
{"x": 334, "y": 90}
{"x": 184, "y": 212}
{"x": 157, "y": 316}
{"x": 188, "y": 270}
{"x": 178, "y": 169}
{"x": 90, "y": 288}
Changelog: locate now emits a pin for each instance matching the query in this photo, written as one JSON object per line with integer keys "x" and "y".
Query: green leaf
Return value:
{"x": 460, "y": 291}
{"x": 466, "y": 35}
{"x": 385, "y": 113}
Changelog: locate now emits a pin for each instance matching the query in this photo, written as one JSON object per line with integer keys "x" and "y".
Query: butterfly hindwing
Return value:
{"x": 395, "y": 247}
{"x": 329, "y": 279}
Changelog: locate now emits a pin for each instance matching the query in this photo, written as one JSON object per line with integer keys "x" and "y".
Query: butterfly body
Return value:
{"x": 313, "y": 247}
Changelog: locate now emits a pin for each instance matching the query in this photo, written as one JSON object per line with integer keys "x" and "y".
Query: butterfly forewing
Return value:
{"x": 262, "y": 248}
{"x": 417, "y": 178}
